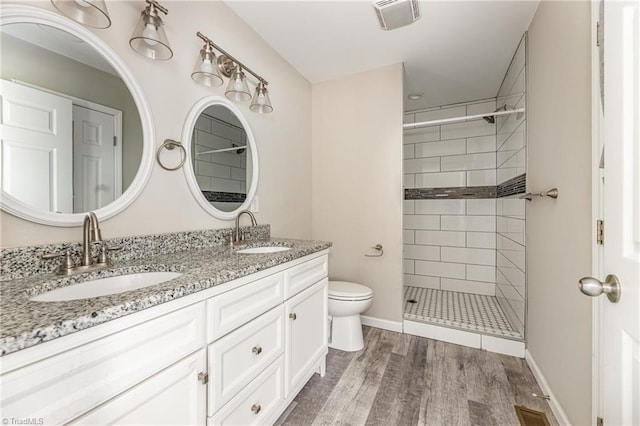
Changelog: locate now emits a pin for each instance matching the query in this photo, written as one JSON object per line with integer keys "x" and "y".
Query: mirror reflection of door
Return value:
{"x": 97, "y": 173}
{"x": 45, "y": 61}
{"x": 39, "y": 165}
{"x": 35, "y": 130}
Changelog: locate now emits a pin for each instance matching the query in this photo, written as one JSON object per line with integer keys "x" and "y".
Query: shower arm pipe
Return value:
{"x": 228, "y": 55}
{"x": 234, "y": 148}
{"x": 456, "y": 119}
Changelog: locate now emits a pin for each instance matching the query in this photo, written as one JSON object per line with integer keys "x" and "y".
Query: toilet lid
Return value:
{"x": 349, "y": 290}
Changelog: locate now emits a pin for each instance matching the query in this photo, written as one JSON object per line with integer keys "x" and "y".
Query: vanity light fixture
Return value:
{"x": 205, "y": 71}
{"x": 91, "y": 13}
{"x": 238, "y": 89}
{"x": 208, "y": 69}
{"x": 149, "y": 38}
{"x": 261, "y": 102}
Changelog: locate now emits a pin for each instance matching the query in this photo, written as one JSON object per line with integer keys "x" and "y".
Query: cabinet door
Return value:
{"x": 174, "y": 396}
{"x": 306, "y": 332}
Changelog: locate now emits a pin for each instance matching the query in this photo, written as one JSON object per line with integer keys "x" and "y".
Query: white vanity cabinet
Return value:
{"x": 258, "y": 368}
{"x": 237, "y": 353}
{"x": 67, "y": 385}
{"x": 175, "y": 396}
{"x": 306, "y": 335}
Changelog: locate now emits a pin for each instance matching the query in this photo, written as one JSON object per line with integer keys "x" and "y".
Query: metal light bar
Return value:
{"x": 456, "y": 119}
{"x": 228, "y": 55}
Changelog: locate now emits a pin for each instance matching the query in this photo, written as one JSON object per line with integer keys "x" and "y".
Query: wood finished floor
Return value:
{"x": 398, "y": 379}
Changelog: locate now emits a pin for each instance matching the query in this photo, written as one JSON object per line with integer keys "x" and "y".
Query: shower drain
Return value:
{"x": 412, "y": 301}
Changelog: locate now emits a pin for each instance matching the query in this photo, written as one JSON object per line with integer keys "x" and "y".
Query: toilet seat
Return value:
{"x": 344, "y": 290}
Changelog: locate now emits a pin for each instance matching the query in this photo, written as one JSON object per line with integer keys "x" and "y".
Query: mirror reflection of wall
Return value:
{"x": 42, "y": 62}
{"x": 219, "y": 152}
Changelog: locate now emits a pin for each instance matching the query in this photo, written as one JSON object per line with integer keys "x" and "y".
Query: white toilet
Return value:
{"x": 346, "y": 302}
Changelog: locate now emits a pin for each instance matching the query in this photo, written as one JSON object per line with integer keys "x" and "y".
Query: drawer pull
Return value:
{"x": 293, "y": 316}
{"x": 257, "y": 350}
{"x": 255, "y": 408}
{"x": 203, "y": 377}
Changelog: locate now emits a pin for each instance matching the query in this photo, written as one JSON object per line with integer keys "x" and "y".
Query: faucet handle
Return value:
{"x": 103, "y": 258}
{"x": 67, "y": 263}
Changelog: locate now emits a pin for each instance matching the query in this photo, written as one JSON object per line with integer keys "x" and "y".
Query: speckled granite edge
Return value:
{"x": 22, "y": 262}
{"x": 25, "y": 323}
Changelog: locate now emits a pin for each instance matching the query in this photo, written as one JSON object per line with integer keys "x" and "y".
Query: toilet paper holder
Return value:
{"x": 378, "y": 248}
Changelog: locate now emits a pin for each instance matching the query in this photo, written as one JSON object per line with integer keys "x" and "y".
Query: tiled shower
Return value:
{"x": 463, "y": 221}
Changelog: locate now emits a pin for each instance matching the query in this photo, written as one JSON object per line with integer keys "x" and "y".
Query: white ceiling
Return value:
{"x": 458, "y": 51}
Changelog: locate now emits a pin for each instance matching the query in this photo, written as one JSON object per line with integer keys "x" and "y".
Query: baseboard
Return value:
{"x": 381, "y": 323}
{"x": 561, "y": 416}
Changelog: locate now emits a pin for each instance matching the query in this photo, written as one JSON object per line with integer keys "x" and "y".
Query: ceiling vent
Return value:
{"x": 396, "y": 13}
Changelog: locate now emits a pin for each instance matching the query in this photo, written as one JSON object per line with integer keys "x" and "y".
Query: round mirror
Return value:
{"x": 76, "y": 132}
{"x": 222, "y": 170}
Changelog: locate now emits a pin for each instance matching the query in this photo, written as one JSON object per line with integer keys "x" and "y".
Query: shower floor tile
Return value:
{"x": 469, "y": 312}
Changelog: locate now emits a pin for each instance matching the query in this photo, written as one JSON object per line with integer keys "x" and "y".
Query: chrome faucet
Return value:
{"x": 235, "y": 235}
{"x": 90, "y": 233}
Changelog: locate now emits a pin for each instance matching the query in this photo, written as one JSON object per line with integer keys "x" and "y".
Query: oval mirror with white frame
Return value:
{"x": 222, "y": 171}
{"x": 76, "y": 130}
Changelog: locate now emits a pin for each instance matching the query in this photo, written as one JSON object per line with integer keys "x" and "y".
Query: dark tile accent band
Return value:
{"x": 462, "y": 192}
{"x": 516, "y": 185}
{"x": 224, "y": 197}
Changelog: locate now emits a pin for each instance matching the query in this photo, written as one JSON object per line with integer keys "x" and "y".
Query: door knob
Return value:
{"x": 594, "y": 287}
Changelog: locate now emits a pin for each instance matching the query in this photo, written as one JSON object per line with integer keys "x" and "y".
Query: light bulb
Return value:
{"x": 206, "y": 66}
{"x": 237, "y": 85}
{"x": 260, "y": 100}
{"x": 150, "y": 34}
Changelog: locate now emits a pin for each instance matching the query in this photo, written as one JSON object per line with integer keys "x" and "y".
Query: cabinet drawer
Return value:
{"x": 304, "y": 275}
{"x": 65, "y": 386}
{"x": 257, "y": 403}
{"x": 236, "y": 359}
{"x": 230, "y": 310}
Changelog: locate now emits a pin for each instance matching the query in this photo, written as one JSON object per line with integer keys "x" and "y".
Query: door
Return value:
{"x": 620, "y": 324}
{"x": 36, "y": 150}
{"x": 96, "y": 169}
{"x": 174, "y": 396}
{"x": 305, "y": 331}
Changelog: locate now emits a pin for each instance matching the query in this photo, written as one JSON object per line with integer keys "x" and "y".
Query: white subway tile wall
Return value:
{"x": 223, "y": 171}
{"x": 451, "y": 244}
{"x": 510, "y": 212}
{"x": 442, "y": 156}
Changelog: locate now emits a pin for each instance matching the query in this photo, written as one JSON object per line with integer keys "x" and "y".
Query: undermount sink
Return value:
{"x": 106, "y": 286}
{"x": 262, "y": 250}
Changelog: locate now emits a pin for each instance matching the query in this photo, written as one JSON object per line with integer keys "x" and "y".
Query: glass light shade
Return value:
{"x": 149, "y": 38}
{"x": 205, "y": 71}
{"x": 238, "y": 89}
{"x": 261, "y": 102}
{"x": 92, "y": 13}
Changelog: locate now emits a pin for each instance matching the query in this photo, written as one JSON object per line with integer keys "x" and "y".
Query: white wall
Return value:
{"x": 559, "y": 232}
{"x": 357, "y": 189}
{"x": 283, "y": 137}
{"x": 450, "y": 244}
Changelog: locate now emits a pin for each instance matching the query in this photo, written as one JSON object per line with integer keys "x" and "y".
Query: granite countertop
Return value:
{"x": 25, "y": 323}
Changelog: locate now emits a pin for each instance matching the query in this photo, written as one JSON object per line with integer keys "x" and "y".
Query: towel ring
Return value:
{"x": 170, "y": 144}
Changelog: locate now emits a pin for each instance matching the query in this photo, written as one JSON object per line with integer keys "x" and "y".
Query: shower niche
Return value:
{"x": 464, "y": 221}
